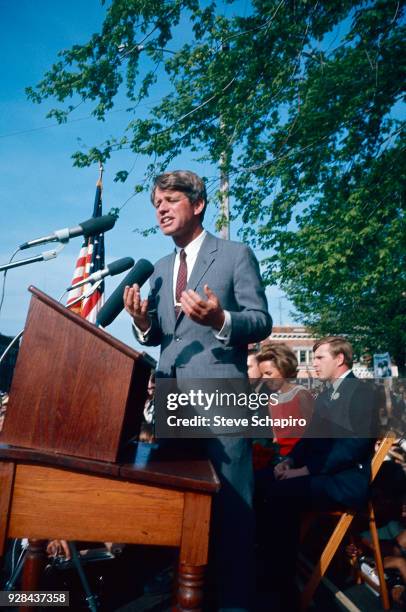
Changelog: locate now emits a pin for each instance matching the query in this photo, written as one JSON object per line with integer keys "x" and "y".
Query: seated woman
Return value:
{"x": 278, "y": 367}
{"x": 325, "y": 470}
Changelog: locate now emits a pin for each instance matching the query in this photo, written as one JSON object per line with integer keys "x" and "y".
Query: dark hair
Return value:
{"x": 337, "y": 345}
{"x": 282, "y": 356}
{"x": 185, "y": 181}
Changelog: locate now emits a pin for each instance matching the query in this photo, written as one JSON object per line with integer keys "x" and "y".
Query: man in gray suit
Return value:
{"x": 206, "y": 304}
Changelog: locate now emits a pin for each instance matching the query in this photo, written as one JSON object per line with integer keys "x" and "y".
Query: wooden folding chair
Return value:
{"x": 344, "y": 522}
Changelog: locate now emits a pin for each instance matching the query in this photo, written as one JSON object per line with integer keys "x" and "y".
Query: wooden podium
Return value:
{"x": 76, "y": 399}
{"x": 76, "y": 390}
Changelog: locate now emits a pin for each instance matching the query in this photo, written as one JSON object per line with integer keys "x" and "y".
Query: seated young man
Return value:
{"x": 328, "y": 471}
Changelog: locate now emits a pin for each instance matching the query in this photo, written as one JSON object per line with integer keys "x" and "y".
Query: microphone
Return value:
{"x": 115, "y": 267}
{"x": 45, "y": 256}
{"x": 95, "y": 225}
{"x": 115, "y": 304}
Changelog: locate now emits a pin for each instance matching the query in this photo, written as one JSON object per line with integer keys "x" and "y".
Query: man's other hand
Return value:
{"x": 206, "y": 312}
{"x": 136, "y": 307}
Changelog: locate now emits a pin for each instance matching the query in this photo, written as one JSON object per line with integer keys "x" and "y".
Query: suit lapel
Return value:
{"x": 333, "y": 404}
{"x": 205, "y": 258}
{"x": 345, "y": 388}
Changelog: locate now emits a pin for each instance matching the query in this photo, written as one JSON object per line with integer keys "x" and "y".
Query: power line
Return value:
{"x": 78, "y": 119}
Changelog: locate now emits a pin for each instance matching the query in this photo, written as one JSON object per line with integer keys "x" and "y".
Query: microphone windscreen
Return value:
{"x": 115, "y": 304}
{"x": 97, "y": 225}
{"x": 120, "y": 265}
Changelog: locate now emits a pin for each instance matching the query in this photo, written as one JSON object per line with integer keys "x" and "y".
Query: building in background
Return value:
{"x": 301, "y": 341}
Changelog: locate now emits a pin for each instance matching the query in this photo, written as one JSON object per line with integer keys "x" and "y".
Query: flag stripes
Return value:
{"x": 90, "y": 259}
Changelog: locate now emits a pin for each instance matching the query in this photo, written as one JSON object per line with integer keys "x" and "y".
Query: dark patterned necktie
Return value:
{"x": 181, "y": 281}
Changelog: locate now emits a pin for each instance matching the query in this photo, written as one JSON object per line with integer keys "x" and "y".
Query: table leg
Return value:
{"x": 34, "y": 565}
{"x": 193, "y": 552}
{"x": 190, "y": 588}
{"x": 7, "y": 470}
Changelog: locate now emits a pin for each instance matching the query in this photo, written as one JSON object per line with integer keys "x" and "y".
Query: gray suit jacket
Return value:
{"x": 191, "y": 350}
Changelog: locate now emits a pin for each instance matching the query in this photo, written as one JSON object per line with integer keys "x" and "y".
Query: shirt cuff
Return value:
{"x": 140, "y": 335}
{"x": 225, "y": 332}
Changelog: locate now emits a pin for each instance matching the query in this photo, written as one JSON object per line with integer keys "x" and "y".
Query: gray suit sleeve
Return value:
{"x": 250, "y": 321}
{"x": 153, "y": 336}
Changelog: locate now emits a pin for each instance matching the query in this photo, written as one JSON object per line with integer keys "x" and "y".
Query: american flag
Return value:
{"x": 91, "y": 259}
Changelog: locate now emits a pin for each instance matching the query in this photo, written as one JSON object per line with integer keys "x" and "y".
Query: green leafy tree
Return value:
{"x": 301, "y": 102}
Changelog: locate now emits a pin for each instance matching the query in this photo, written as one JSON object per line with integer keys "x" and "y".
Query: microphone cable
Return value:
{"x": 4, "y": 279}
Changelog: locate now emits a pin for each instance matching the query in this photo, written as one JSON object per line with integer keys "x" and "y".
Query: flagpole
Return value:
{"x": 100, "y": 179}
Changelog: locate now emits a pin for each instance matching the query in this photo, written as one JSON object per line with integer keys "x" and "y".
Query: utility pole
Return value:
{"x": 224, "y": 195}
{"x": 224, "y": 178}
{"x": 280, "y": 309}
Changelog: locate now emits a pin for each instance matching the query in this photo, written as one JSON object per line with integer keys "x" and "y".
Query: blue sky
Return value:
{"x": 40, "y": 190}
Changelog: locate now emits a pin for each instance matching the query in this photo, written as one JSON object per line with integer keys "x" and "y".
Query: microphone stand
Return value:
{"x": 85, "y": 294}
{"x": 91, "y": 598}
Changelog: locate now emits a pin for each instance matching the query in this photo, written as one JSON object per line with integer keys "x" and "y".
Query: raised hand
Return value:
{"x": 136, "y": 307}
{"x": 206, "y": 312}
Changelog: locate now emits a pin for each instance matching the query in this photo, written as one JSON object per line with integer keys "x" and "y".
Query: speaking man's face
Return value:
{"x": 176, "y": 215}
{"x": 326, "y": 365}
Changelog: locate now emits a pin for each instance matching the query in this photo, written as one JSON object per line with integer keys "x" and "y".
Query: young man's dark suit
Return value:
{"x": 339, "y": 466}
{"x": 340, "y": 469}
{"x": 190, "y": 350}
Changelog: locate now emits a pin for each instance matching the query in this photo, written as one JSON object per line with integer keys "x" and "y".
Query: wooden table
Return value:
{"x": 167, "y": 502}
